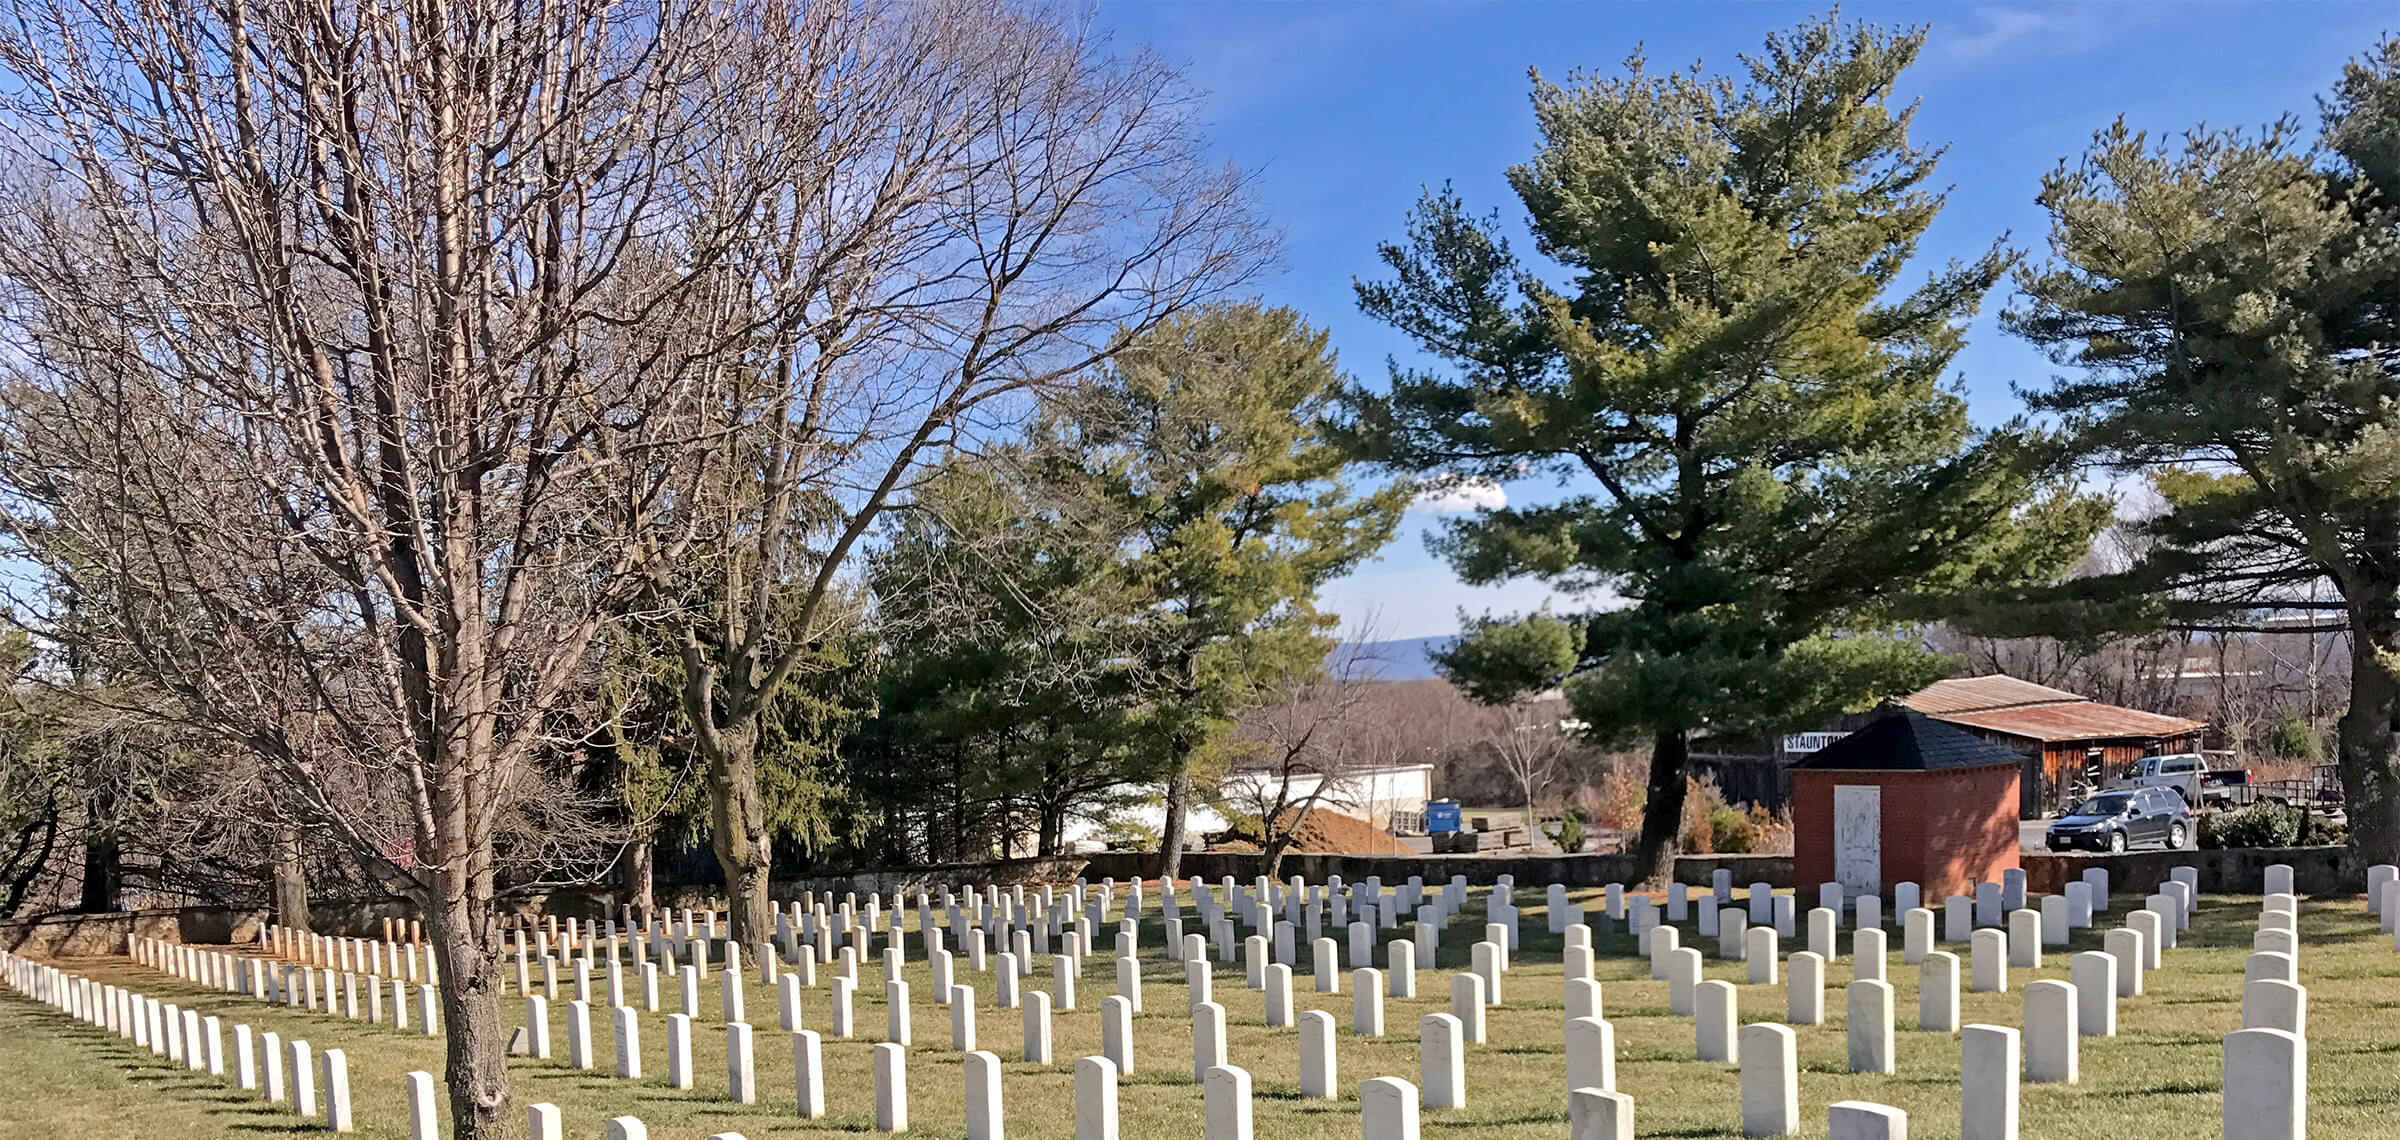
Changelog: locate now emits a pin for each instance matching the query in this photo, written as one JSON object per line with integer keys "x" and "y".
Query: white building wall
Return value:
{"x": 1373, "y": 795}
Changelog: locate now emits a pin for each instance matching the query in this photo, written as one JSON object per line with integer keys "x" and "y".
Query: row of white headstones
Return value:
{"x": 2265, "y": 1094}
{"x": 315, "y": 1084}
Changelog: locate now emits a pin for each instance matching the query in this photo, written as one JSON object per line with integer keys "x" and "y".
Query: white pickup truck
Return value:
{"x": 2186, "y": 772}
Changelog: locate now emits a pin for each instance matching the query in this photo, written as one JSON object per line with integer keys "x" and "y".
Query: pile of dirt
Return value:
{"x": 1324, "y": 832}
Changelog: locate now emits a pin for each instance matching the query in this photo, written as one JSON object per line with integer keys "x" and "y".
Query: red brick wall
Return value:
{"x": 1944, "y": 831}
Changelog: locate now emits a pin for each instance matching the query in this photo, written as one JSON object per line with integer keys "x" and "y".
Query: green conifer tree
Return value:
{"x": 2231, "y": 305}
{"x": 1737, "y": 385}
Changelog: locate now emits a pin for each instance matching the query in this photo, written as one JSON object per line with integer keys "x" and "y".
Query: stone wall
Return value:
{"x": 84, "y": 935}
{"x": 1573, "y": 870}
{"x": 2242, "y": 870}
{"x": 74, "y": 935}
{"x": 602, "y": 902}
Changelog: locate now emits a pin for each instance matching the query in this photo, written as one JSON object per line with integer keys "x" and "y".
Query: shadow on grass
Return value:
{"x": 2175, "y": 1088}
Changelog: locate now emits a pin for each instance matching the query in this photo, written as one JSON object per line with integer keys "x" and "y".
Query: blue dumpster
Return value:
{"x": 1441, "y": 816}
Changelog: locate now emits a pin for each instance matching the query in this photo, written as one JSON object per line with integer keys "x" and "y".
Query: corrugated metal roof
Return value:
{"x": 1966, "y": 694}
{"x": 2075, "y": 720}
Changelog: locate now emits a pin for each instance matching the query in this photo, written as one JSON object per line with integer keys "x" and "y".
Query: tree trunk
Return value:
{"x": 1052, "y": 803}
{"x": 1662, "y": 811}
{"x": 1280, "y": 841}
{"x": 1170, "y": 834}
{"x": 477, "y": 1076}
{"x": 1053, "y": 827}
{"x": 2369, "y": 745}
{"x": 958, "y": 805}
{"x": 641, "y": 857}
{"x": 32, "y": 856}
{"x": 103, "y": 855}
{"x": 739, "y": 836}
{"x": 290, "y": 884}
{"x": 103, "y": 873}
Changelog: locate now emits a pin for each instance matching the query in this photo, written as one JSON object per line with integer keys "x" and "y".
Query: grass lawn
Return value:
{"x": 2160, "y": 1077}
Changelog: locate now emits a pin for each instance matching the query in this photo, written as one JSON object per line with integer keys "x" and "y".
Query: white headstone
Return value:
{"x": 2279, "y": 879}
{"x": 2280, "y": 967}
{"x": 1770, "y": 1080}
{"x": 1387, "y": 1109}
{"x": 300, "y": 1061}
{"x": 1937, "y": 992}
{"x": 741, "y": 1066}
{"x": 1116, "y": 1032}
{"x": 424, "y": 1120}
{"x": 1916, "y": 935}
{"x": 627, "y": 1030}
{"x": 1442, "y": 1061}
{"x": 983, "y": 1097}
{"x": 1988, "y": 962}
{"x": 891, "y": 1088}
{"x": 1988, "y": 1064}
{"x": 2125, "y": 945}
{"x": 1591, "y": 1054}
{"x": 1859, "y": 1120}
{"x": 2025, "y": 939}
{"x": 1759, "y": 952}
{"x": 1870, "y": 1027}
{"x": 2272, "y": 1003}
{"x": 1319, "y": 1074}
{"x": 2051, "y": 1033}
{"x": 1804, "y": 999}
{"x": 1583, "y": 996}
{"x": 1277, "y": 984}
{"x": 808, "y": 1073}
{"x": 2056, "y": 920}
{"x": 1466, "y": 1004}
{"x": 1716, "y": 1018}
{"x": 1683, "y": 973}
{"x": 334, "y": 1068}
{"x": 2094, "y": 974}
{"x": 1868, "y": 952}
{"x": 579, "y": 1035}
{"x": 1487, "y": 957}
{"x": 679, "y": 1051}
{"x": 2266, "y": 1085}
{"x": 1366, "y": 1002}
{"x": 1225, "y": 1104}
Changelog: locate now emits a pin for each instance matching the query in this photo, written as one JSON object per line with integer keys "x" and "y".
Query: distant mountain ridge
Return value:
{"x": 1405, "y": 659}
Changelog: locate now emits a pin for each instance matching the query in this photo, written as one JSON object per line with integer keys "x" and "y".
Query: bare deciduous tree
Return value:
{"x": 1310, "y": 742}
{"x": 350, "y": 346}
{"x": 996, "y": 204}
{"x": 1532, "y": 748}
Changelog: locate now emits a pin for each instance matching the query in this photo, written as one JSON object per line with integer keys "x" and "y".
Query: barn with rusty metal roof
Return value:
{"x": 2071, "y": 743}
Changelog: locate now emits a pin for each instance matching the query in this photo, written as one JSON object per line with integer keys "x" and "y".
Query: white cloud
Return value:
{"x": 1460, "y": 497}
{"x": 2046, "y": 30}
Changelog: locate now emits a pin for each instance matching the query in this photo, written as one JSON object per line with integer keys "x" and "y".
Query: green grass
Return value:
{"x": 2160, "y": 1077}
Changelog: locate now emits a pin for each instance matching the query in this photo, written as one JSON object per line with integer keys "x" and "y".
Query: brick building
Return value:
{"x": 1905, "y": 799}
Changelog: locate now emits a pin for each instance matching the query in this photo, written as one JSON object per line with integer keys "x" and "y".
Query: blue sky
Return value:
{"x": 1345, "y": 111}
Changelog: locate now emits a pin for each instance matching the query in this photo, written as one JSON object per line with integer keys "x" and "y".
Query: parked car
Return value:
{"x": 2115, "y": 821}
{"x": 2187, "y": 773}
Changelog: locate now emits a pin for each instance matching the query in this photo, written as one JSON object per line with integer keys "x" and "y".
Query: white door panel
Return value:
{"x": 1858, "y": 838}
